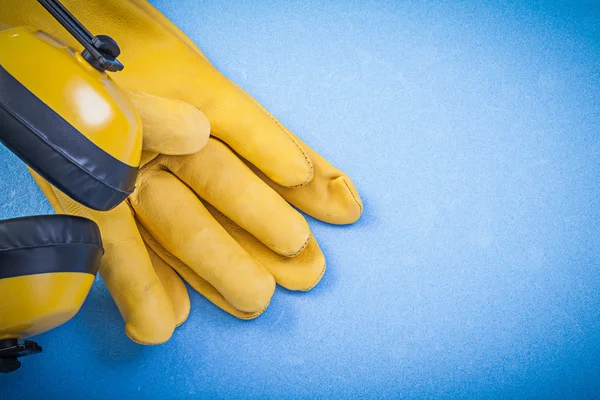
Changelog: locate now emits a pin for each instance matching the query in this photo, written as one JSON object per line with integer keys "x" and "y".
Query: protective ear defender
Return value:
{"x": 64, "y": 116}
{"x": 47, "y": 267}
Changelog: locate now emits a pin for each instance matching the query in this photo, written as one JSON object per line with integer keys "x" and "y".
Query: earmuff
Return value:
{"x": 47, "y": 267}
{"x": 64, "y": 116}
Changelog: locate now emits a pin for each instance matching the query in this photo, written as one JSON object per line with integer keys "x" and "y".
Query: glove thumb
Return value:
{"x": 171, "y": 126}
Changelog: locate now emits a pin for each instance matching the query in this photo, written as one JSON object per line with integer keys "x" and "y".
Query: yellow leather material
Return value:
{"x": 88, "y": 99}
{"x": 194, "y": 280}
{"x": 301, "y": 272}
{"x": 33, "y": 304}
{"x": 331, "y": 196}
{"x": 170, "y": 126}
{"x": 191, "y": 235}
{"x": 205, "y": 213}
{"x": 177, "y": 219}
{"x": 218, "y": 176}
{"x": 176, "y": 290}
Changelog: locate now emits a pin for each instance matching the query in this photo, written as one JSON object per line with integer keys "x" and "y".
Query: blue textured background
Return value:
{"x": 473, "y": 133}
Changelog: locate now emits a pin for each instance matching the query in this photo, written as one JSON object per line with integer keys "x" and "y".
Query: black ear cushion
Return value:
{"x": 49, "y": 243}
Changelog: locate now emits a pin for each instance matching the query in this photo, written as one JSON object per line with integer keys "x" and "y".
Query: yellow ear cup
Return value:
{"x": 47, "y": 267}
{"x": 67, "y": 120}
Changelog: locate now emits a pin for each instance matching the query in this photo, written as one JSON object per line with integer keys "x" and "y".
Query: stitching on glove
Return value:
{"x": 318, "y": 279}
{"x": 144, "y": 343}
{"x": 292, "y": 255}
{"x": 306, "y": 157}
{"x": 185, "y": 319}
{"x": 353, "y": 196}
{"x": 252, "y": 316}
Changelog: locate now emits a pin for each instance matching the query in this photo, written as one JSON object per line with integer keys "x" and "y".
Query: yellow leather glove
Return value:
{"x": 179, "y": 230}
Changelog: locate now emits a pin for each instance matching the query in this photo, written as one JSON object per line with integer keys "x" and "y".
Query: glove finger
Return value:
{"x": 174, "y": 286}
{"x": 331, "y": 196}
{"x": 193, "y": 279}
{"x": 242, "y": 123}
{"x": 302, "y": 272}
{"x": 125, "y": 268}
{"x": 170, "y": 126}
{"x": 239, "y": 120}
{"x": 175, "y": 217}
{"x": 218, "y": 176}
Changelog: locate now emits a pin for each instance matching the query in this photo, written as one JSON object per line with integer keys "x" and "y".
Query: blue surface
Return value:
{"x": 473, "y": 134}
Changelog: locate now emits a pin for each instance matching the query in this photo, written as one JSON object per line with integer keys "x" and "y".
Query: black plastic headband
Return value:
{"x": 100, "y": 51}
